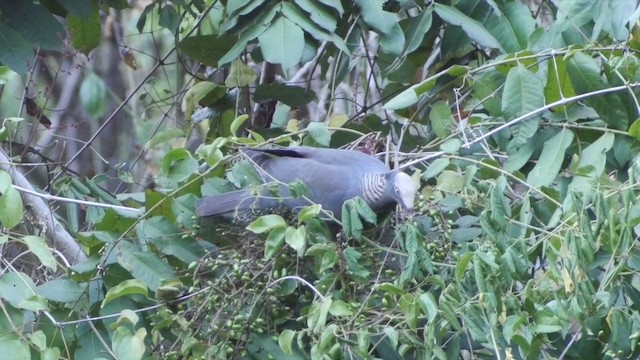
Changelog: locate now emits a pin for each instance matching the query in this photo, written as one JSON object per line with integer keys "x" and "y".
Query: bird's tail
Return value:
{"x": 226, "y": 203}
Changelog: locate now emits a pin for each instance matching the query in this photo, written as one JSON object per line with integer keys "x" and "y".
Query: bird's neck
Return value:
{"x": 373, "y": 187}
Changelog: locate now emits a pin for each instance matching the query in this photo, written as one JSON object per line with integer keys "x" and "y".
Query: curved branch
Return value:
{"x": 55, "y": 233}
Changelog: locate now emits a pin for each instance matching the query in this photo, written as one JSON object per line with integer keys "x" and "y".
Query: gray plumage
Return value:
{"x": 332, "y": 176}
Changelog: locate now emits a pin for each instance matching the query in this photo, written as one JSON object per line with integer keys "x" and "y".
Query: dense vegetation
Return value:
{"x": 519, "y": 119}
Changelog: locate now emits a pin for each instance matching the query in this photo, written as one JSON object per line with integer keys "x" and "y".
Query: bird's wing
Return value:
{"x": 336, "y": 157}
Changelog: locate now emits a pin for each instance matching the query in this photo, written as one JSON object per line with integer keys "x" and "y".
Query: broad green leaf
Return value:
{"x": 336, "y": 4}
{"x": 487, "y": 89}
{"x": 11, "y": 207}
{"x": 550, "y": 161}
{"x": 418, "y": 27}
{"x": 428, "y": 305}
{"x": 62, "y": 290}
{"x": 590, "y": 166}
{"x": 379, "y": 20}
{"x": 16, "y": 287}
{"x": 471, "y": 27}
{"x": 128, "y": 345}
{"x": 254, "y": 29}
{"x": 513, "y": 27}
{"x": 586, "y": 77}
{"x": 39, "y": 247}
{"x": 392, "y": 335}
{"x": 451, "y": 146}
{"x": 93, "y": 95}
{"x": 282, "y": 43}
{"x": 296, "y": 238}
{"x": 13, "y": 345}
{"x": 144, "y": 266}
{"x": 409, "y": 307}
{"x": 634, "y": 129}
{"x": 237, "y": 122}
{"x": 299, "y": 18}
{"x": 450, "y": 181}
{"x": 167, "y": 238}
{"x": 86, "y": 32}
{"x": 275, "y": 241}
{"x": 340, "y": 308}
{"x": 207, "y": 49}
{"x": 319, "y": 14}
{"x": 558, "y": 85}
{"x": 441, "y": 119}
{"x": 309, "y": 212}
{"x": 266, "y": 223}
{"x": 287, "y": 94}
{"x": 34, "y": 22}
{"x": 319, "y": 133}
{"x": 435, "y": 168}
{"x": 523, "y": 93}
{"x": 285, "y": 340}
{"x": 125, "y": 288}
{"x": 18, "y": 52}
{"x": 163, "y": 136}
{"x": 240, "y": 75}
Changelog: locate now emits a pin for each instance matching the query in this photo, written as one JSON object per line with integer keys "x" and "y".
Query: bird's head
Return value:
{"x": 404, "y": 190}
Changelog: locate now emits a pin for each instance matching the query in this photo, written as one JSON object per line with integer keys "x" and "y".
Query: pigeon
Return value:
{"x": 332, "y": 177}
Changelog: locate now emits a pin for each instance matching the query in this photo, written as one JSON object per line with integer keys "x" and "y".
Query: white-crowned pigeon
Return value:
{"x": 332, "y": 176}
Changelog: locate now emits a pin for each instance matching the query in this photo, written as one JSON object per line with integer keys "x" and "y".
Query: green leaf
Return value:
{"x": 441, "y": 119}
{"x": 340, "y": 308}
{"x": 11, "y": 207}
{"x": 451, "y": 146}
{"x": 302, "y": 20}
{"x": 144, "y": 266}
{"x": 128, "y": 345}
{"x": 17, "y": 52}
{"x": 550, "y": 161}
{"x": 586, "y": 77}
{"x": 319, "y": 133}
{"x": 240, "y": 75}
{"x": 163, "y": 136}
{"x": 523, "y": 93}
{"x": 282, "y": 43}
{"x": 11, "y": 344}
{"x": 169, "y": 18}
{"x": 450, "y": 181}
{"x": 275, "y": 241}
{"x": 15, "y": 287}
{"x": 254, "y": 29}
{"x": 428, "y": 305}
{"x": 167, "y": 238}
{"x": 513, "y": 27}
{"x": 39, "y": 247}
{"x": 435, "y": 168}
{"x": 237, "y": 122}
{"x": 93, "y": 95}
{"x": 285, "y": 340}
{"x": 471, "y": 27}
{"x": 296, "y": 238}
{"x": 34, "y": 22}
{"x": 294, "y": 96}
{"x": 62, "y": 290}
{"x": 319, "y": 14}
{"x": 266, "y": 223}
{"x": 309, "y": 212}
{"x": 418, "y": 27}
{"x": 85, "y": 32}
{"x": 125, "y": 288}
{"x": 207, "y": 49}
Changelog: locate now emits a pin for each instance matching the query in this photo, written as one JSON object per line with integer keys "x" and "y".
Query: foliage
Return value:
{"x": 519, "y": 119}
